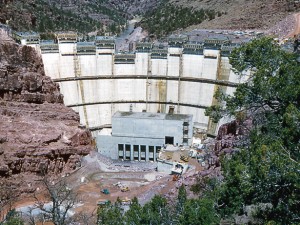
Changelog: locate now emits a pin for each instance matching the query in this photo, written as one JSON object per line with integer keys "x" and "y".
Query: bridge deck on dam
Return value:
{"x": 139, "y": 102}
{"x": 191, "y": 79}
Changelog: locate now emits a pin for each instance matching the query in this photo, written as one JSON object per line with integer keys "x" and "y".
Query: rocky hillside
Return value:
{"x": 138, "y": 7}
{"x": 55, "y": 15}
{"x": 82, "y": 16}
{"x": 106, "y": 16}
{"x": 243, "y": 14}
{"x": 37, "y": 132}
{"x": 174, "y": 15}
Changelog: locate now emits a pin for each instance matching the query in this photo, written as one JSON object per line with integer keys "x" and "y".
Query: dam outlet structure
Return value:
{"x": 97, "y": 81}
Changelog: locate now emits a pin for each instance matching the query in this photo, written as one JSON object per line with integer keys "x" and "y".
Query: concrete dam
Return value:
{"x": 96, "y": 81}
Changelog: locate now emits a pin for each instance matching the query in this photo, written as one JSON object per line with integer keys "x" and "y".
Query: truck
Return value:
{"x": 105, "y": 191}
{"x": 125, "y": 189}
{"x": 184, "y": 158}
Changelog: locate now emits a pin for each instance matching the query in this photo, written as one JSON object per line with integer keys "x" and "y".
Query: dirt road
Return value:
{"x": 141, "y": 179}
{"x": 297, "y": 27}
{"x": 296, "y": 30}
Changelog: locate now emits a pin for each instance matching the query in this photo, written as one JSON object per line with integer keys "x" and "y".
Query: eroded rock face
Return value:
{"x": 22, "y": 76}
{"x": 231, "y": 136}
{"x": 37, "y": 132}
{"x": 44, "y": 136}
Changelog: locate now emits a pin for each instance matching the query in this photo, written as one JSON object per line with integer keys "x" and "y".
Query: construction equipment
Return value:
{"x": 176, "y": 177}
{"x": 184, "y": 158}
{"x": 103, "y": 203}
{"x": 105, "y": 191}
{"x": 125, "y": 189}
{"x": 177, "y": 169}
{"x": 126, "y": 201}
{"x": 169, "y": 157}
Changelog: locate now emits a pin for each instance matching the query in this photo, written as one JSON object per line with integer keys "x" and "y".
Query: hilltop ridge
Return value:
{"x": 109, "y": 16}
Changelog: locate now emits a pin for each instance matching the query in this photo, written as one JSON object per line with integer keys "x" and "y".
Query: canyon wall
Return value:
{"x": 37, "y": 132}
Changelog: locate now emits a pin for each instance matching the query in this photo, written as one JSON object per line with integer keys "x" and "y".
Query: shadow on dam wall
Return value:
{"x": 162, "y": 92}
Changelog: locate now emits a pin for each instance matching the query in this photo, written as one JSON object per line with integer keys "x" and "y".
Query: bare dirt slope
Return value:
{"x": 296, "y": 30}
{"x": 242, "y": 14}
{"x": 286, "y": 28}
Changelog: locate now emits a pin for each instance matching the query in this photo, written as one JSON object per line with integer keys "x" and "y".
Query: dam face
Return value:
{"x": 97, "y": 82}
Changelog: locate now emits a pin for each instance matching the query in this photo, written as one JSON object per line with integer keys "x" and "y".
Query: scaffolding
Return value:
{"x": 193, "y": 49}
{"x": 105, "y": 42}
{"x": 227, "y": 49}
{"x": 27, "y": 37}
{"x": 215, "y": 43}
{"x": 177, "y": 40}
{"x": 124, "y": 58}
{"x": 143, "y": 47}
{"x": 159, "y": 53}
{"x": 86, "y": 48}
{"x": 49, "y": 47}
{"x": 66, "y": 37}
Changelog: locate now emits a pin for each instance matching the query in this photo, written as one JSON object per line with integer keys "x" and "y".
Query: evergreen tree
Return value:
{"x": 266, "y": 170}
{"x": 199, "y": 212}
{"x": 111, "y": 214}
{"x": 156, "y": 212}
{"x": 134, "y": 215}
{"x": 13, "y": 218}
{"x": 181, "y": 199}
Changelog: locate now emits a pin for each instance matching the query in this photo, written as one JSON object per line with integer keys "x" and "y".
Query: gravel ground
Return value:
{"x": 106, "y": 164}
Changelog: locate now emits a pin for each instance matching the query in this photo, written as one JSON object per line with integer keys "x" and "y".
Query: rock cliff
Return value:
{"x": 37, "y": 132}
{"x": 231, "y": 136}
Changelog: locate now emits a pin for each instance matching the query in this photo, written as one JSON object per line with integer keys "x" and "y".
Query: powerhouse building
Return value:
{"x": 97, "y": 82}
{"x": 140, "y": 135}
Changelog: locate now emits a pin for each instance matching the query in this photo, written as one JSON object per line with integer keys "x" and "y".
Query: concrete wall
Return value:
{"x": 141, "y": 134}
{"x": 149, "y": 129}
{"x": 104, "y": 64}
{"x": 51, "y": 67}
{"x": 109, "y": 146}
{"x": 164, "y": 166}
{"x": 192, "y": 65}
{"x": 96, "y": 86}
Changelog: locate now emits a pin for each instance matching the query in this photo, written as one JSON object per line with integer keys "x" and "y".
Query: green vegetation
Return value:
{"x": 12, "y": 218}
{"x": 266, "y": 171}
{"x": 264, "y": 174}
{"x": 168, "y": 18}
{"x": 48, "y": 16}
{"x": 158, "y": 212}
{"x": 53, "y": 18}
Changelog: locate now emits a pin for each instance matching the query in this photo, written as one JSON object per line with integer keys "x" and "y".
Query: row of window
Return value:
{"x": 185, "y": 132}
{"x": 139, "y": 152}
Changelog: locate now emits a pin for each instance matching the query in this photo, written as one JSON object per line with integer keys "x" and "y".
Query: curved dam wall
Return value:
{"x": 97, "y": 82}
